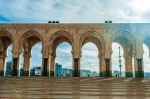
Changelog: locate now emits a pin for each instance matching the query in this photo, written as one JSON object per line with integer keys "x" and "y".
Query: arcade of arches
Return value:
{"x": 130, "y": 36}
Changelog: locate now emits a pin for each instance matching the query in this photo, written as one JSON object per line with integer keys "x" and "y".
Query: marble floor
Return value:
{"x": 74, "y": 88}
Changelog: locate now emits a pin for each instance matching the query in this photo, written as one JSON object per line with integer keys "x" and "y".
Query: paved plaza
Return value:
{"x": 74, "y": 88}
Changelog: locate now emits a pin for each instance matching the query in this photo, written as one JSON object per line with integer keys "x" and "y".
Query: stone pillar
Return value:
{"x": 140, "y": 71}
{"x": 76, "y": 68}
{"x": 49, "y": 65}
{"x": 102, "y": 69}
{"x": 108, "y": 70}
{"x": 15, "y": 70}
{"x": 26, "y": 66}
{"x": 45, "y": 66}
{"x": 2, "y": 65}
{"x": 128, "y": 66}
{"x": 52, "y": 66}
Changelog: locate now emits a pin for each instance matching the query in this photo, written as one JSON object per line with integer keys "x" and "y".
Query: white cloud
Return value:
{"x": 74, "y": 11}
{"x": 89, "y": 59}
{"x": 140, "y": 6}
{"x": 64, "y": 55}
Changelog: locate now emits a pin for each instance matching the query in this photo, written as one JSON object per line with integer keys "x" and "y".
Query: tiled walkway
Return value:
{"x": 74, "y": 88}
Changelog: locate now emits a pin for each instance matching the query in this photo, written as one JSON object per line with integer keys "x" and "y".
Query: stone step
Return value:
{"x": 74, "y": 88}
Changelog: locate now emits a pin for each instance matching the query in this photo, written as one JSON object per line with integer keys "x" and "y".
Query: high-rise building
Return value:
{"x": 66, "y": 72}
{"x": 58, "y": 70}
{"x": 8, "y": 68}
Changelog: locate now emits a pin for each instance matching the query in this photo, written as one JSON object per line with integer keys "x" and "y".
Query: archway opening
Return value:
{"x": 36, "y": 60}
{"x": 31, "y": 53}
{"x": 8, "y": 61}
{"x": 21, "y": 63}
{"x": 89, "y": 61}
{"x": 146, "y": 61}
{"x": 63, "y": 63}
{"x": 118, "y": 64}
{"x": 6, "y": 55}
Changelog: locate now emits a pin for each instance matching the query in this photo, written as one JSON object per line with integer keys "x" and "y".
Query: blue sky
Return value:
{"x": 75, "y": 11}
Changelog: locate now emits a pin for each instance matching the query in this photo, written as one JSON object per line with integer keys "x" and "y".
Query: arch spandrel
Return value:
{"x": 6, "y": 33}
{"x": 6, "y": 40}
{"x": 27, "y": 35}
{"x": 146, "y": 41}
{"x": 129, "y": 38}
{"x": 57, "y": 38}
{"x": 94, "y": 37}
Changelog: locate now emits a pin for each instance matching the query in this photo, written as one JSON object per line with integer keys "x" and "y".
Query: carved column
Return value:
{"x": 2, "y": 65}
{"x": 15, "y": 69}
{"x": 128, "y": 66}
{"x": 52, "y": 66}
{"x": 26, "y": 67}
{"x": 45, "y": 60}
{"x": 76, "y": 67}
{"x": 138, "y": 65}
{"x": 140, "y": 68}
{"x": 102, "y": 65}
{"x": 108, "y": 67}
{"x": 49, "y": 65}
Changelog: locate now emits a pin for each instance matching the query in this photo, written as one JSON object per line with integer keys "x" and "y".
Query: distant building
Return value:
{"x": 116, "y": 73}
{"x": 146, "y": 74}
{"x": 94, "y": 74}
{"x": 34, "y": 73}
{"x": 58, "y": 70}
{"x": 88, "y": 73}
{"x": 21, "y": 71}
{"x": 8, "y": 68}
{"x": 66, "y": 72}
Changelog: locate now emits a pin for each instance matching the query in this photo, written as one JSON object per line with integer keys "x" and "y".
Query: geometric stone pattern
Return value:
{"x": 74, "y": 88}
{"x": 130, "y": 36}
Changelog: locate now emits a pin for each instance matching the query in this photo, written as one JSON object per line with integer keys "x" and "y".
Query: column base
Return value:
{"x": 137, "y": 75}
{"x": 25, "y": 73}
{"x": 15, "y": 72}
{"x": 48, "y": 73}
{"x": 129, "y": 74}
{"x": 102, "y": 74}
{"x": 1, "y": 73}
{"x": 43, "y": 74}
{"x": 75, "y": 75}
{"x": 52, "y": 73}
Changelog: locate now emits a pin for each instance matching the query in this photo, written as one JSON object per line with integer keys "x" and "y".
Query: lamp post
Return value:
{"x": 119, "y": 61}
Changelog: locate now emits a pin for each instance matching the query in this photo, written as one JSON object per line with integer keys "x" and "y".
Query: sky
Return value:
{"x": 75, "y": 11}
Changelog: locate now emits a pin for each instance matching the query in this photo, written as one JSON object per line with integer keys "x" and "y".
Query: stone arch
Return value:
{"x": 6, "y": 33}
{"x": 128, "y": 36}
{"x": 96, "y": 36}
{"x": 10, "y": 40}
{"x": 27, "y": 35}
{"x": 62, "y": 36}
{"x": 146, "y": 40}
{"x": 146, "y": 36}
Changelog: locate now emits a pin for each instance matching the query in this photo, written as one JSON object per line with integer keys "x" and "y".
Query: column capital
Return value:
{"x": 139, "y": 59}
{"x": 129, "y": 56}
{"x": 27, "y": 56}
{"x": 107, "y": 58}
{"x": 101, "y": 56}
{"x": 50, "y": 52}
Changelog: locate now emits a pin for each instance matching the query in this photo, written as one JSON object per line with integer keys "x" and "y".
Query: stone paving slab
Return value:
{"x": 74, "y": 88}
